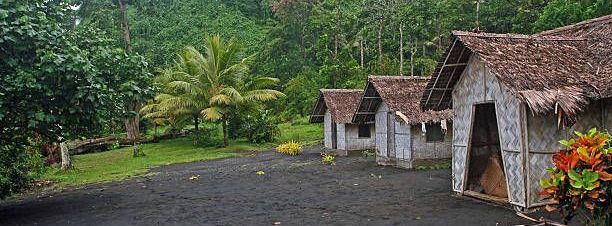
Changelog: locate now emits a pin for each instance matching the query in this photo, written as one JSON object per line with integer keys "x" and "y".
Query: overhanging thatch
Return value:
{"x": 400, "y": 93}
{"x": 564, "y": 68}
{"x": 340, "y": 102}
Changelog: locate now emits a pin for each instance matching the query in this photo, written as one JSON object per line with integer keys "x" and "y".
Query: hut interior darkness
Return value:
{"x": 335, "y": 108}
{"x": 391, "y": 103}
{"x": 486, "y": 174}
{"x": 539, "y": 89}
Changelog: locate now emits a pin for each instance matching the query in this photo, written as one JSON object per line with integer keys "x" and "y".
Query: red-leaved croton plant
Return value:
{"x": 581, "y": 178}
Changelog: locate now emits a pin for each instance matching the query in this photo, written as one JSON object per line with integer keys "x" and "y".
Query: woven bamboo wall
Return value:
{"x": 354, "y": 142}
{"x": 327, "y": 130}
{"x": 381, "y": 130}
{"x": 422, "y": 149}
{"x": 341, "y": 136}
{"x": 544, "y": 136}
{"x": 479, "y": 85}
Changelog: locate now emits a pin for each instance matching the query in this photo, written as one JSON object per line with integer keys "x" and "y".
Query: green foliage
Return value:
{"x": 261, "y": 127}
{"x": 211, "y": 85}
{"x": 208, "y": 136}
{"x": 290, "y": 148}
{"x": 581, "y": 178}
{"x": 328, "y": 159}
{"x": 18, "y": 167}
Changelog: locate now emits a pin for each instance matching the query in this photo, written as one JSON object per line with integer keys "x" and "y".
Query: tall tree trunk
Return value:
{"x": 225, "y": 133}
{"x": 412, "y": 52}
{"x": 131, "y": 124}
{"x": 379, "y": 37}
{"x": 361, "y": 52}
{"x": 196, "y": 124}
{"x": 65, "y": 152}
{"x": 401, "y": 49}
{"x": 125, "y": 26}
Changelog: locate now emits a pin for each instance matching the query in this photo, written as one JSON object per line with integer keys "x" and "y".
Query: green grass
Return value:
{"x": 302, "y": 131}
{"x": 119, "y": 164}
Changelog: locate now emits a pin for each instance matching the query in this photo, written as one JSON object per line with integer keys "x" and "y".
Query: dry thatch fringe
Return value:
{"x": 570, "y": 99}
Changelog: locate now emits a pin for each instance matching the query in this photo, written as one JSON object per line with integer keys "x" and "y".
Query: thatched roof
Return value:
{"x": 566, "y": 67}
{"x": 341, "y": 103}
{"x": 400, "y": 93}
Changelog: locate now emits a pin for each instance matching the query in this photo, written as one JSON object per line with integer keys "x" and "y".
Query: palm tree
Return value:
{"x": 211, "y": 84}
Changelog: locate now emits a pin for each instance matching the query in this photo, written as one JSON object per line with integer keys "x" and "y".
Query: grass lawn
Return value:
{"x": 119, "y": 164}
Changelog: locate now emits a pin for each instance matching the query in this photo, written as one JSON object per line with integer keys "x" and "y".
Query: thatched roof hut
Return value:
{"x": 335, "y": 108}
{"x": 400, "y": 93}
{"x": 392, "y": 103}
{"x": 514, "y": 96}
{"x": 561, "y": 69}
{"x": 340, "y": 102}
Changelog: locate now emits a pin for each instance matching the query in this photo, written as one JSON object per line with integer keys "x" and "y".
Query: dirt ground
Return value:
{"x": 293, "y": 191}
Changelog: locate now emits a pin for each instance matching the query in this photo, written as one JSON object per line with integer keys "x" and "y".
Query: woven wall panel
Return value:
{"x": 402, "y": 141}
{"x": 479, "y": 85}
{"x": 381, "y": 130}
{"x": 341, "y": 137}
{"x": 514, "y": 174}
{"x": 459, "y": 166}
{"x": 590, "y": 118}
{"x": 327, "y": 131}
{"x": 538, "y": 163}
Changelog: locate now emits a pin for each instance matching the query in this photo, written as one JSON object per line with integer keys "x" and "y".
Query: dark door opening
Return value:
{"x": 334, "y": 135}
{"x": 486, "y": 168}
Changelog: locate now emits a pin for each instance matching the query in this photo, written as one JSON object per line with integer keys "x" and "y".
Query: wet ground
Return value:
{"x": 296, "y": 190}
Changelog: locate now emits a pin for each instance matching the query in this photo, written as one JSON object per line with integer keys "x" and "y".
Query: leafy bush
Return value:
{"x": 290, "y": 148}
{"x": 328, "y": 159}
{"x": 207, "y": 136}
{"x": 18, "y": 167}
{"x": 261, "y": 127}
{"x": 580, "y": 180}
{"x": 368, "y": 153}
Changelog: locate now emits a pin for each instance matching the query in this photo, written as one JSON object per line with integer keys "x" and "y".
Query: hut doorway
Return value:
{"x": 486, "y": 177}
{"x": 334, "y": 135}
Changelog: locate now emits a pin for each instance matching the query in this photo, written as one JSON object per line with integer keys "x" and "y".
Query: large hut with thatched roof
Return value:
{"x": 514, "y": 97}
{"x": 335, "y": 109}
{"x": 404, "y": 134}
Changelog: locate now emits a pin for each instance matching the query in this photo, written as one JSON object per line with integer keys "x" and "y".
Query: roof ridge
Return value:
{"x": 516, "y": 36}
{"x": 341, "y": 90}
{"x": 581, "y": 23}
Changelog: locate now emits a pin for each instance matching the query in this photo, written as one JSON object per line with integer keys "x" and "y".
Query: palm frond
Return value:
{"x": 212, "y": 114}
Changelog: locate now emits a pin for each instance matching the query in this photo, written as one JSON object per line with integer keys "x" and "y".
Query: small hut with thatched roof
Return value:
{"x": 514, "y": 96}
{"x": 404, "y": 134}
{"x": 335, "y": 109}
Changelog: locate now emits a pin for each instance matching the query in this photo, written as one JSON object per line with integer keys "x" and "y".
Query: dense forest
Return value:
{"x": 312, "y": 44}
{"x": 75, "y": 69}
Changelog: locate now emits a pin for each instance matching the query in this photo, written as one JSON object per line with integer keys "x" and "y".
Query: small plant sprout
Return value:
{"x": 328, "y": 159}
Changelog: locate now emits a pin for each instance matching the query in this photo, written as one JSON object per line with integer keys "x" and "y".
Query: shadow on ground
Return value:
{"x": 293, "y": 191}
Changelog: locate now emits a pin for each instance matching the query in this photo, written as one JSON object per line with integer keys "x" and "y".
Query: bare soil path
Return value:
{"x": 293, "y": 191}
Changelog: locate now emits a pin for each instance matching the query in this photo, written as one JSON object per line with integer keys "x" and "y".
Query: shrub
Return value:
{"x": 18, "y": 167}
{"x": 581, "y": 178}
{"x": 328, "y": 159}
{"x": 290, "y": 148}
{"x": 208, "y": 136}
{"x": 262, "y": 128}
